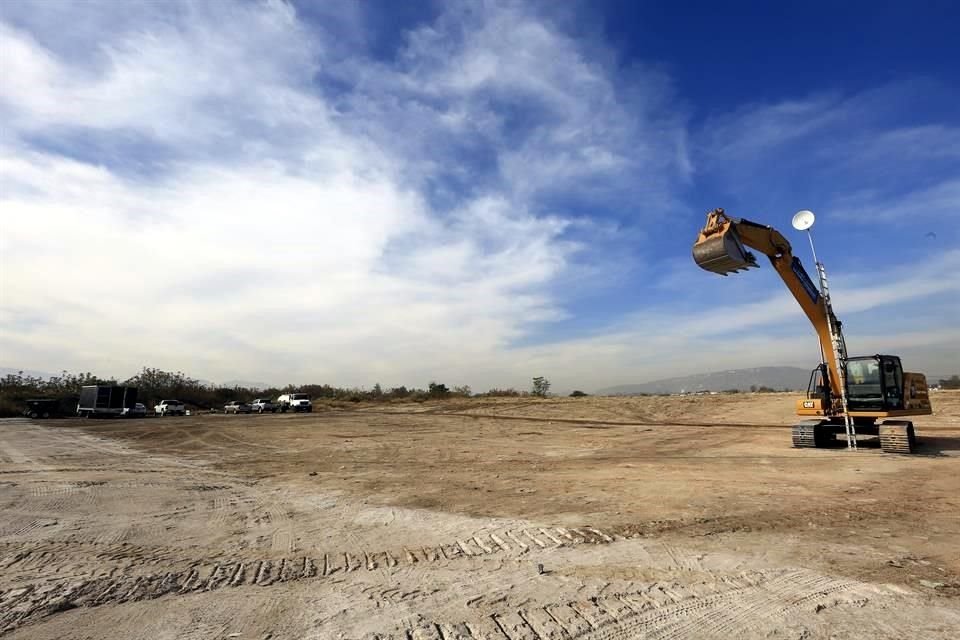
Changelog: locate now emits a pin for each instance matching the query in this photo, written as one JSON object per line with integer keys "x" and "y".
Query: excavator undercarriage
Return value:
{"x": 895, "y": 436}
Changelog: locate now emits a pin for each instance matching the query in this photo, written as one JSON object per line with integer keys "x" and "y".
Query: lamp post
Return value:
{"x": 803, "y": 221}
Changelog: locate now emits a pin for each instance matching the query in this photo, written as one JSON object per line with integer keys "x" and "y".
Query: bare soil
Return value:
{"x": 612, "y": 518}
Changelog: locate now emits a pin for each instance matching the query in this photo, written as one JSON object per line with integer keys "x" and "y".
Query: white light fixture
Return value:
{"x": 803, "y": 220}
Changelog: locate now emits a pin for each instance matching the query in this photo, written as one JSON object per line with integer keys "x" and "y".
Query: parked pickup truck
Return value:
{"x": 263, "y": 405}
{"x": 170, "y": 408}
{"x": 295, "y": 402}
{"x": 236, "y": 407}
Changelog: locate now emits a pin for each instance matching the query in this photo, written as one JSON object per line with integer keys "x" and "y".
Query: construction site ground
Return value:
{"x": 519, "y": 518}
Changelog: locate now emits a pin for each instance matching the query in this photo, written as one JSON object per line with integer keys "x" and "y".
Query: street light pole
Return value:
{"x": 803, "y": 221}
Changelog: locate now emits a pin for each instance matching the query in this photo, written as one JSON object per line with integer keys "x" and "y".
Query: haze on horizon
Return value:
{"x": 474, "y": 193}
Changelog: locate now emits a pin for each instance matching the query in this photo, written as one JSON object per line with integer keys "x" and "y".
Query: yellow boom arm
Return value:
{"x": 720, "y": 248}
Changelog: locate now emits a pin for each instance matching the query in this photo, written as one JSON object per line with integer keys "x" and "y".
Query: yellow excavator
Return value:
{"x": 845, "y": 395}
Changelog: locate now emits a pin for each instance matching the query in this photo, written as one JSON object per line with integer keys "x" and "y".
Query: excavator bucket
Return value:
{"x": 722, "y": 252}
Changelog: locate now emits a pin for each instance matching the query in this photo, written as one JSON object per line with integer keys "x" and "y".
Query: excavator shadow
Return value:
{"x": 927, "y": 446}
{"x": 937, "y": 446}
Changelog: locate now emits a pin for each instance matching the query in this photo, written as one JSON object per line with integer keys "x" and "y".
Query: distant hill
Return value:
{"x": 742, "y": 379}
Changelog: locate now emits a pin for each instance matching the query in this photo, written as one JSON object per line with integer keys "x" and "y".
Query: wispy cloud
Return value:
{"x": 242, "y": 190}
{"x": 940, "y": 201}
{"x": 669, "y": 341}
{"x": 319, "y": 213}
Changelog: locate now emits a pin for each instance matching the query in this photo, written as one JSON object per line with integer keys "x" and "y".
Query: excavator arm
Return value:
{"x": 721, "y": 248}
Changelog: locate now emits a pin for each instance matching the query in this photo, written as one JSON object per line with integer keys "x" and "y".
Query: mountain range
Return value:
{"x": 778, "y": 378}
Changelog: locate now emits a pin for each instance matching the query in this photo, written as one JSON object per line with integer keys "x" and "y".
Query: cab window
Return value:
{"x": 863, "y": 382}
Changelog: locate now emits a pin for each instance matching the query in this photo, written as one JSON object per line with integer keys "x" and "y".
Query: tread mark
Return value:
{"x": 486, "y": 629}
{"x": 568, "y": 619}
{"x": 426, "y": 632}
{"x": 592, "y": 613}
{"x": 534, "y": 539}
{"x": 523, "y": 545}
{"x": 545, "y": 626}
{"x": 566, "y": 534}
{"x": 552, "y": 537}
{"x": 237, "y": 578}
{"x": 458, "y": 631}
{"x": 605, "y": 537}
{"x": 486, "y": 548}
{"x": 503, "y": 545}
{"x": 515, "y": 627}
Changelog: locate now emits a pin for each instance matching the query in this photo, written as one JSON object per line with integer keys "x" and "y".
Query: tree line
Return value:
{"x": 155, "y": 384}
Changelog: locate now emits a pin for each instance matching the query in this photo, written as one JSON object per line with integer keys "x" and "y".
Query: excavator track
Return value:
{"x": 897, "y": 436}
{"x": 812, "y": 434}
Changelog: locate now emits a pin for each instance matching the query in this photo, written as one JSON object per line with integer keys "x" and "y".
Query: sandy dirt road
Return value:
{"x": 606, "y": 518}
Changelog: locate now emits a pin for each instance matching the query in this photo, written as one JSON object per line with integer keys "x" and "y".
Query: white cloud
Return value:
{"x": 296, "y": 230}
{"x": 668, "y": 341}
{"x": 942, "y": 200}
{"x": 236, "y": 192}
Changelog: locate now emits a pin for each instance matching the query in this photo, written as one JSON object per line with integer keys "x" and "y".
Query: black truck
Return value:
{"x": 49, "y": 407}
{"x": 104, "y": 401}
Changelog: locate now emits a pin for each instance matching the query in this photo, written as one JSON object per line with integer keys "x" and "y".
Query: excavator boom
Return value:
{"x": 721, "y": 247}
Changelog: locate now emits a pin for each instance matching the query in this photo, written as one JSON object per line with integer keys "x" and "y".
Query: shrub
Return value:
{"x": 502, "y": 393}
{"x": 541, "y": 387}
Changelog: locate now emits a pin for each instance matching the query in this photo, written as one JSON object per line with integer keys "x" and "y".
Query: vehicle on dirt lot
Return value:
{"x": 295, "y": 402}
{"x": 170, "y": 408}
{"x": 237, "y": 406}
{"x": 105, "y": 400}
{"x": 138, "y": 410}
{"x": 46, "y": 408}
{"x": 263, "y": 405}
{"x": 845, "y": 395}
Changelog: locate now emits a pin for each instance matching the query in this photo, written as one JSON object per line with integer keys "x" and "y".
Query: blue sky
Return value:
{"x": 474, "y": 192}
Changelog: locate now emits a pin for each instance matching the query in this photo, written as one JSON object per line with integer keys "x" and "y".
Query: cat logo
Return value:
{"x": 809, "y": 404}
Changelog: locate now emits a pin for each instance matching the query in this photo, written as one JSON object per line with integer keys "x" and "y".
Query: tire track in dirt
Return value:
{"x": 593, "y": 422}
{"x": 29, "y": 603}
{"x": 721, "y": 609}
{"x": 59, "y": 496}
{"x": 578, "y": 421}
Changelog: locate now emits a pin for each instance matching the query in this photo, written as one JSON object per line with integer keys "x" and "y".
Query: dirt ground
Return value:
{"x": 592, "y": 518}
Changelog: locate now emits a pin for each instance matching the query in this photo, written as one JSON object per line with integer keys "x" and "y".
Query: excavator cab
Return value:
{"x": 874, "y": 383}
{"x": 719, "y": 248}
